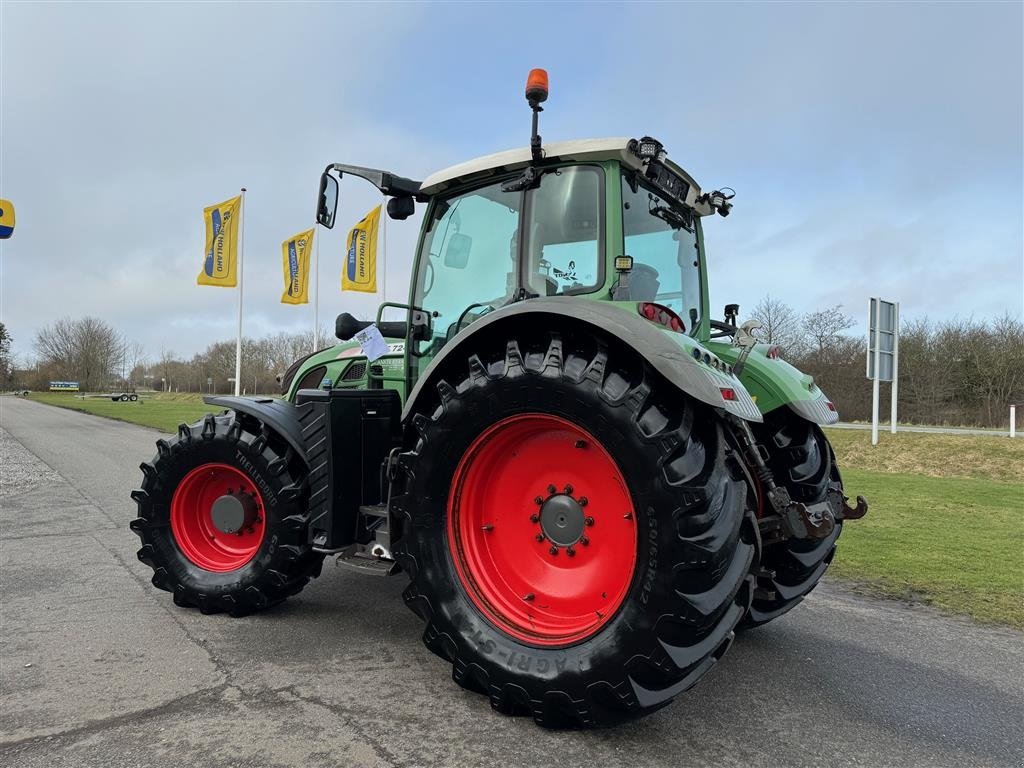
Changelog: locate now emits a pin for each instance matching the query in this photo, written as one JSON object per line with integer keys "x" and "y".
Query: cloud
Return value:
{"x": 875, "y": 148}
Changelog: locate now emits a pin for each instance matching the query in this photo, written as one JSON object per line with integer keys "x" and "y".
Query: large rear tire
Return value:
{"x": 527, "y": 437}
{"x": 801, "y": 459}
{"x": 252, "y": 474}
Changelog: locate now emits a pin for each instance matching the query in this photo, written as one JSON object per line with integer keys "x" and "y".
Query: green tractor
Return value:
{"x": 590, "y": 484}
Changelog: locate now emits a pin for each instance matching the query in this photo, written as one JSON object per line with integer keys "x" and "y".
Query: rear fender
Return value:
{"x": 673, "y": 355}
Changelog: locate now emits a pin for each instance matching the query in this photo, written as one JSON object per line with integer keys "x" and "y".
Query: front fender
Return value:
{"x": 775, "y": 384}
{"x": 280, "y": 415}
{"x": 673, "y": 355}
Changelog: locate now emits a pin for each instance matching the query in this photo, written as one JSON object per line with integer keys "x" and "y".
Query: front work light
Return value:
{"x": 623, "y": 263}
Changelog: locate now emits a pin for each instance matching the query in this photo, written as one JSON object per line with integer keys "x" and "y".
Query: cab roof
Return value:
{"x": 515, "y": 159}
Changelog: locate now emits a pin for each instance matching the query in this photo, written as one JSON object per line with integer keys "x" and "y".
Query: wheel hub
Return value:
{"x": 561, "y": 520}
{"x": 231, "y": 513}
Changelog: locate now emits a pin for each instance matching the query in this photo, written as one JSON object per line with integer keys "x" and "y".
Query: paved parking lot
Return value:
{"x": 97, "y": 668}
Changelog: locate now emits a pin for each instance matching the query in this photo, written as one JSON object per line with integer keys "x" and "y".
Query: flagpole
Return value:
{"x": 241, "y": 276}
{"x": 316, "y": 287}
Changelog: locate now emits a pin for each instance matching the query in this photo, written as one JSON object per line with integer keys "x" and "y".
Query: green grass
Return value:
{"x": 946, "y": 525}
{"x": 955, "y": 543}
{"x": 160, "y": 411}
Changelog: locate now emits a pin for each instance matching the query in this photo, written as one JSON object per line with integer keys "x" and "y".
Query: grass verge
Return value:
{"x": 954, "y": 543}
{"x": 160, "y": 411}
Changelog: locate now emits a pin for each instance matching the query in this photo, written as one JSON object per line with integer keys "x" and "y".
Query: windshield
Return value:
{"x": 661, "y": 236}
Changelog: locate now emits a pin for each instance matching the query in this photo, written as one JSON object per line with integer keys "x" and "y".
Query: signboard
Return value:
{"x": 882, "y": 322}
{"x": 883, "y": 356}
{"x": 63, "y": 386}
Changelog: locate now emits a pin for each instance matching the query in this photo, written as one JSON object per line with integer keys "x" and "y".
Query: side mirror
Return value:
{"x": 327, "y": 200}
{"x": 456, "y": 255}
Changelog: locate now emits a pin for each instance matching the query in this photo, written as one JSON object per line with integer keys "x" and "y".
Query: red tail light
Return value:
{"x": 728, "y": 394}
{"x": 661, "y": 315}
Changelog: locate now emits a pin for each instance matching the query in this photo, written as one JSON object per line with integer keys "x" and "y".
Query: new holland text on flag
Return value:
{"x": 360, "y": 270}
{"x": 219, "y": 266}
{"x": 295, "y": 262}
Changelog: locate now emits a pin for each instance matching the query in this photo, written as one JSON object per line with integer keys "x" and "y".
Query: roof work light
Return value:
{"x": 537, "y": 86}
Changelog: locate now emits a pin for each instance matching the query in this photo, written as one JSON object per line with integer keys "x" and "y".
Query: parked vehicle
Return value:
{"x": 589, "y": 482}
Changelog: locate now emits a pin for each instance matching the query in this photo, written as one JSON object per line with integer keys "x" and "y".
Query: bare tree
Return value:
{"x": 823, "y": 327}
{"x": 6, "y": 363}
{"x": 780, "y": 325}
{"x": 87, "y": 350}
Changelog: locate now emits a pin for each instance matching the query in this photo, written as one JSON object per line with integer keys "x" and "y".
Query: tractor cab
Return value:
{"x": 606, "y": 220}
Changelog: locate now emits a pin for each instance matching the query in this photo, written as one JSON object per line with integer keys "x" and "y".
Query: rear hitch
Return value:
{"x": 795, "y": 519}
{"x": 854, "y": 513}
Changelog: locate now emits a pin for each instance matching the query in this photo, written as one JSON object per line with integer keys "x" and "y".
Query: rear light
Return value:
{"x": 728, "y": 394}
{"x": 661, "y": 315}
{"x": 774, "y": 352}
{"x": 831, "y": 405}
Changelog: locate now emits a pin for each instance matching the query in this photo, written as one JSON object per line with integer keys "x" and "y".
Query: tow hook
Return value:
{"x": 854, "y": 513}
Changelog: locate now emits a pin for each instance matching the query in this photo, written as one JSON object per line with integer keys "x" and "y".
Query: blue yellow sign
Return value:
{"x": 295, "y": 263}
{"x": 360, "y": 270}
{"x": 219, "y": 266}
{"x": 6, "y": 219}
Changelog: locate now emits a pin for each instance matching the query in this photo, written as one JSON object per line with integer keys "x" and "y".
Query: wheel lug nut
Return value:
{"x": 584, "y": 541}
{"x": 552, "y": 489}
{"x": 581, "y": 443}
{"x": 538, "y": 500}
{"x": 588, "y": 520}
{"x": 539, "y": 537}
{"x": 528, "y": 597}
{"x": 534, "y": 518}
{"x": 486, "y": 527}
{"x": 570, "y": 552}
{"x": 628, "y": 516}
{"x": 568, "y": 489}
{"x": 553, "y": 550}
{"x": 583, "y": 501}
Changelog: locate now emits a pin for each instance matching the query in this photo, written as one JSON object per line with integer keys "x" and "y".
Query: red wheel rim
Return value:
{"x": 516, "y": 497}
{"x": 193, "y": 526}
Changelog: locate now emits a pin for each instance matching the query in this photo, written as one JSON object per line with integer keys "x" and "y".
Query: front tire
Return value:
{"x": 665, "y": 575}
{"x": 258, "y": 564}
{"x": 801, "y": 460}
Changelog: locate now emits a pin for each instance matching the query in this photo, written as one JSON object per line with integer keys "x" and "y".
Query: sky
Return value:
{"x": 876, "y": 148}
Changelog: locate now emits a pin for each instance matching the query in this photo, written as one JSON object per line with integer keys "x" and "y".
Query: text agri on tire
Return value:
{"x": 589, "y": 483}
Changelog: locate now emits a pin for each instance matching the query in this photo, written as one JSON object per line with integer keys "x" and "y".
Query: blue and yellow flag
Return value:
{"x": 6, "y": 219}
{"x": 219, "y": 267}
{"x": 295, "y": 261}
{"x": 360, "y": 270}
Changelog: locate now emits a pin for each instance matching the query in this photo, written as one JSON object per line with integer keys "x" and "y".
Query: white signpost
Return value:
{"x": 883, "y": 356}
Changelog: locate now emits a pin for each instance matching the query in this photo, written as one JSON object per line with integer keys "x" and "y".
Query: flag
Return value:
{"x": 295, "y": 262}
{"x": 6, "y": 219}
{"x": 360, "y": 270}
{"x": 219, "y": 267}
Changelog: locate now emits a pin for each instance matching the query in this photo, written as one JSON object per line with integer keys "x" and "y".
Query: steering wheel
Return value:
{"x": 724, "y": 329}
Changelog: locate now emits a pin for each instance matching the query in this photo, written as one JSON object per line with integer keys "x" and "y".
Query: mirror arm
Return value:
{"x": 387, "y": 182}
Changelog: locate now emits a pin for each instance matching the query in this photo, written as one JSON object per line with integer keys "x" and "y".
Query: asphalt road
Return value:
{"x": 97, "y": 668}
